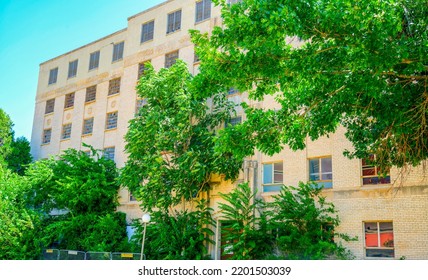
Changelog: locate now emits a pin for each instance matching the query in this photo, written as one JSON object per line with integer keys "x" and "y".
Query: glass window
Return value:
{"x": 174, "y": 22}
{"x": 203, "y": 10}
{"x": 111, "y": 121}
{"x": 88, "y": 126}
{"x": 94, "y": 60}
{"x": 66, "y": 131}
{"x": 50, "y": 106}
{"x": 373, "y": 175}
{"x": 114, "y": 86}
{"x": 141, "y": 68}
{"x": 140, "y": 104}
{"x": 91, "y": 93}
{"x": 171, "y": 58}
{"x": 109, "y": 152}
{"x": 233, "y": 121}
{"x": 321, "y": 171}
{"x": 273, "y": 176}
{"x": 47, "y": 133}
{"x": 379, "y": 239}
{"x": 72, "y": 68}
{"x": 53, "y": 75}
{"x": 147, "y": 31}
{"x": 118, "y": 51}
{"x": 69, "y": 100}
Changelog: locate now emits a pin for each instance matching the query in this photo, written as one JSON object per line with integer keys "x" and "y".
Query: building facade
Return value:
{"x": 88, "y": 96}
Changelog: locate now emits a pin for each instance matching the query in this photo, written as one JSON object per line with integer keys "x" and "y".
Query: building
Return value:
{"x": 88, "y": 96}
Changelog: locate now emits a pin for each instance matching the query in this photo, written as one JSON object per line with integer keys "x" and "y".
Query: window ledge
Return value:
{"x": 114, "y": 94}
{"x": 145, "y": 42}
{"x": 89, "y": 102}
{"x": 87, "y": 135}
{"x": 110, "y": 129}
{"x": 202, "y": 21}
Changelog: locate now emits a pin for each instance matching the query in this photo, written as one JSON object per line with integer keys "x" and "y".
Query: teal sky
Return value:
{"x": 34, "y": 31}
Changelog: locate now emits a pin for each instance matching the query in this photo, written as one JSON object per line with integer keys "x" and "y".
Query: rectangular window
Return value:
{"x": 72, "y": 68}
{"x": 53, "y": 75}
{"x": 170, "y": 58}
{"x": 94, "y": 60}
{"x": 141, "y": 68}
{"x": 69, "y": 100}
{"x": 47, "y": 133}
{"x": 203, "y": 10}
{"x": 147, "y": 31}
{"x": 321, "y": 172}
{"x": 373, "y": 175}
{"x": 174, "y": 22}
{"x": 233, "y": 121}
{"x": 232, "y": 90}
{"x": 140, "y": 104}
{"x": 91, "y": 93}
{"x": 273, "y": 176}
{"x": 111, "y": 121}
{"x": 50, "y": 106}
{"x": 66, "y": 131}
{"x": 88, "y": 126}
{"x": 118, "y": 51}
{"x": 114, "y": 86}
{"x": 109, "y": 153}
{"x": 379, "y": 239}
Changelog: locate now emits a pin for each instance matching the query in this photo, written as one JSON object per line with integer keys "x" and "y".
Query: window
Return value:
{"x": 53, "y": 75}
{"x": 233, "y": 121}
{"x": 118, "y": 51}
{"x": 109, "y": 153}
{"x": 140, "y": 104}
{"x": 66, "y": 131}
{"x": 69, "y": 100}
{"x": 196, "y": 58}
{"x": 91, "y": 93}
{"x": 94, "y": 60}
{"x": 132, "y": 197}
{"x": 72, "y": 69}
{"x": 111, "y": 121}
{"x": 171, "y": 58}
{"x": 320, "y": 171}
{"x": 231, "y": 2}
{"x": 50, "y": 106}
{"x": 88, "y": 126}
{"x": 114, "y": 86}
{"x": 232, "y": 90}
{"x": 203, "y": 10}
{"x": 373, "y": 175}
{"x": 141, "y": 68}
{"x": 47, "y": 133}
{"x": 379, "y": 239}
{"x": 174, "y": 22}
{"x": 147, "y": 31}
{"x": 273, "y": 176}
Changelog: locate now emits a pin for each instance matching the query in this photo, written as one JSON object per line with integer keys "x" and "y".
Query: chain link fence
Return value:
{"x": 54, "y": 254}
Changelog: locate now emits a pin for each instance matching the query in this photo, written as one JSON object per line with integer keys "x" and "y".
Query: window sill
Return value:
{"x": 173, "y": 32}
{"x": 117, "y": 60}
{"x": 86, "y": 135}
{"x": 114, "y": 94}
{"x": 48, "y": 114}
{"x": 65, "y": 140}
{"x": 89, "y": 102}
{"x": 93, "y": 69}
{"x": 202, "y": 21}
{"x": 110, "y": 129}
{"x": 145, "y": 42}
{"x": 45, "y": 144}
{"x": 68, "y": 108}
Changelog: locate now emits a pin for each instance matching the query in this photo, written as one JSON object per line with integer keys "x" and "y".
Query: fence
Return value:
{"x": 54, "y": 254}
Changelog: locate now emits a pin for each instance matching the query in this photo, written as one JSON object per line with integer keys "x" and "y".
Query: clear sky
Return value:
{"x": 34, "y": 31}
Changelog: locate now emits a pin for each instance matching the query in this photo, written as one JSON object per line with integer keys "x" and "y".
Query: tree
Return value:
{"x": 19, "y": 157}
{"x": 171, "y": 142}
{"x": 6, "y": 136}
{"x": 78, "y": 194}
{"x": 362, "y": 65}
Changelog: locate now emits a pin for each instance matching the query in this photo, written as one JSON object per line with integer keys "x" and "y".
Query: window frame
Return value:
{"x": 168, "y": 59}
{"x": 89, "y": 94}
{"x": 148, "y": 33}
{"x": 114, "y": 86}
{"x": 327, "y": 183}
{"x": 86, "y": 132}
{"x": 112, "y": 125}
{"x": 273, "y": 186}
{"x": 66, "y": 135}
{"x": 118, "y": 51}
{"x": 72, "y": 68}
{"x": 142, "y": 68}
{"x": 48, "y": 106}
{"x": 175, "y": 25}
{"x": 109, "y": 153}
{"x": 53, "y": 76}
{"x": 379, "y": 240}
{"x": 205, "y": 10}
{"x": 94, "y": 60}
{"x": 69, "y": 100}
{"x": 376, "y": 178}
{"x": 44, "y": 136}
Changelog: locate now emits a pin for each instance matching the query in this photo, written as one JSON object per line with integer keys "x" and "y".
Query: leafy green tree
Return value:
{"x": 19, "y": 157}
{"x": 6, "y": 136}
{"x": 304, "y": 224}
{"x": 246, "y": 235}
{"x": 79, "y": 191}
{"x": 19, "y": 226}
{"x": 171, "y": 142}
{"x": 362, "y": 65}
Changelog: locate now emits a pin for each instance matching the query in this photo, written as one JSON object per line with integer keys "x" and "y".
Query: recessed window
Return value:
{"x": 147, "y": 31}
{"x": 50, "y": 106}
{"x": 321, "y": 172}
{"x": 109, "y": 153}
{"x": 53, "y": 75}
{"x": 140, "y": 103}
{"x": 233, "y": 121}
{"x": 141, "y": 68}
{"x": 203, "y": 10}
{"x": 47, "y": 133}
{"x": 273, "y": 176}
{"x": 379, "y": 239}
{"x": 196, "y": 58}
{"x": 114, "y": 86}
{"x": 111, "y": 121}
{"x": 118, "y": 51}
{"x": 72, "y": 69}
{"x": 171, "y": 58}
{"x": 373, "y": 175}
{"x": 94, "y": 60}
{"x": 88, "y": 126}
{"x": 91, "y": 93}
{"x": 66, "y": 131}
{"x": 69, "y": 100}
{"x": 232, "y": 90}
{"x": 174, "y": 22}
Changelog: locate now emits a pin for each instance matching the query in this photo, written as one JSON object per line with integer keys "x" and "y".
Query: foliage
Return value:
{"x": 78, "y": 195}
{"x": 304, "y": 224}
{"x": 246, "y": 235}
{"x": 183, "y": 235}
{"x": 19, "y": 226}
{"x": 171, "y": 141}
{"x": 19, "y": 157}
{"x": 362, "y": 65}
{"x": 6, "y": 136}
